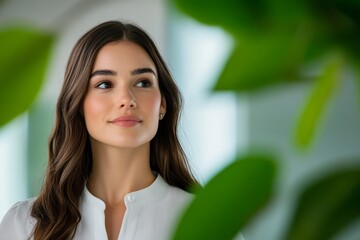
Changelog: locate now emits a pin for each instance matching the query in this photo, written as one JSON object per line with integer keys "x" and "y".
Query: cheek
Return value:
{"x": 153, "y": 105}
{"x": 92, "y": 108}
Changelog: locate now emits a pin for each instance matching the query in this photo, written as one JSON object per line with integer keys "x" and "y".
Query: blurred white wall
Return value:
{"x": 209, "y": 125}
{"x": 13, "y": 172}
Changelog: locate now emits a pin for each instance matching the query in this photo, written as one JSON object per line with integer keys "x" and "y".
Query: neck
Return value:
{"x": 116, "y": 172}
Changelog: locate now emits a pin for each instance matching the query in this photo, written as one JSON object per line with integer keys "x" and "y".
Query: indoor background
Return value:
{"x": 216, "y": 126}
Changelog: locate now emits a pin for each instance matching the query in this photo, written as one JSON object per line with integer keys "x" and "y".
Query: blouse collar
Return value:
{"x": 156, "y": 190}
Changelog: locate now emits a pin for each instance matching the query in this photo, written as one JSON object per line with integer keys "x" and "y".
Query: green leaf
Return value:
{"x": 23, "y": 60}
{"x": 229, "y": 200}
{"x": 261, "y": 61}
{"x": 326, "y": 206}
{"x": 229, "y": 14}
{"x": 245, "y": 16}
{"x": 325, "y": 86}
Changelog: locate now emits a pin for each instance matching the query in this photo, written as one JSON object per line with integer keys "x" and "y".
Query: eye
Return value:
{"x": 145, "y": 83}
{"x": 103, "y": 85}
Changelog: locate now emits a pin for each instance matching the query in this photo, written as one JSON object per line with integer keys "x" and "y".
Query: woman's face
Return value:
{"x": 123, "y": 102}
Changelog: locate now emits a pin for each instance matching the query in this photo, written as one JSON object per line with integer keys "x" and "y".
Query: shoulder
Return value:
{"x": 170, "y": 198}
{"x": 17, "y": 222}
{"x": 176, "y": 199}
{"x": 170, "y": 194}
{"x": 20, "y": 209}
{"x": 178, "y": 193}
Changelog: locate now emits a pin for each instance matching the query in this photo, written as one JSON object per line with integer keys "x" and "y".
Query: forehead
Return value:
{"x": 124, "y": 55}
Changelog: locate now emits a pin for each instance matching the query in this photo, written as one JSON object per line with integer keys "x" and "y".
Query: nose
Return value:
{"x": 126, "y": 98}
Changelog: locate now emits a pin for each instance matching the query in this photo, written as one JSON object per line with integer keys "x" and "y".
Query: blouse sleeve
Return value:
{"x": 15, "y": 225}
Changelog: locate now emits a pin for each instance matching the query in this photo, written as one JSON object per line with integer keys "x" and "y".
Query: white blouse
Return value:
{"x": 151, "y": 213}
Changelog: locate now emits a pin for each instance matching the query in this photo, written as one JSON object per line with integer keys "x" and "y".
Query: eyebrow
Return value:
{"x": 106, "y": 72}
{"x": 142, "y": 70}
{"x": 103, "y": 73}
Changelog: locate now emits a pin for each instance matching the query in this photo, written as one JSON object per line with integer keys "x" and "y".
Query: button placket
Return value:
{"x": 131, "y": 198}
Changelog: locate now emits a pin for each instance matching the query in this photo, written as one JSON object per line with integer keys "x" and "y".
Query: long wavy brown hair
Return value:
{"x": 70, "y": 161}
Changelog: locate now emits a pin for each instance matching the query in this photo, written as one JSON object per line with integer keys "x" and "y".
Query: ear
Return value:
{"x": 163, "y": 105}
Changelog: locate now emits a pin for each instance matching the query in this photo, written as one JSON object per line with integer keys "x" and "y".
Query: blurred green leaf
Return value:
{"x": 245, "y": 16}
{"x": 338, "y": 21}
{"x": 260, "y": 61}
{"x": 275, "y": 38}
{"x": 326, "y": 206}
{"x": 23, "y": 61}
{"x": 325, "y": 85}
{"x": 229, "y": 200}
{"x": 231, "y": 15}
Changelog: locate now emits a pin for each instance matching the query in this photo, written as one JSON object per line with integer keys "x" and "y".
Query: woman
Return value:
{"x": 116, "y": 168}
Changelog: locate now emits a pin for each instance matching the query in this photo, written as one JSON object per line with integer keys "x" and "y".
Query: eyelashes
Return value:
{"x": 103, "y": 85}
{"x": 143, "y": 83}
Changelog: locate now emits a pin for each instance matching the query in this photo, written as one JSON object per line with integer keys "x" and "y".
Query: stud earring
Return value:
{"x": 161, "y": 116}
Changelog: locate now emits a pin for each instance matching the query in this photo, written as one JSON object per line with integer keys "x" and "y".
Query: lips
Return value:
{"x": 126, "y": 121}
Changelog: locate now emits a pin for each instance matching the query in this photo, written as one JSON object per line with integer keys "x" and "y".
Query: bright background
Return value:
{"x": 215, "y": 126}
